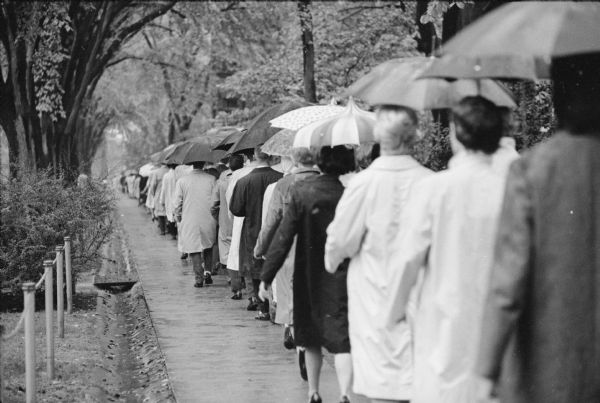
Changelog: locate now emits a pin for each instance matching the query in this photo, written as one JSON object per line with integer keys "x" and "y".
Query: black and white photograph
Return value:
{"x": 299, "y": 201}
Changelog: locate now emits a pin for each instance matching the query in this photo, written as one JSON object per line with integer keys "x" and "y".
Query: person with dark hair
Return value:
{"x": 246, "y": 201}
{"x": 449, "y": 229}
{"x": 540, "y": 340}
{"x": 197, "y": 229}
{"x": 320, "y": 298}
{"x": 220, "y": 211}
{"x": 369, "y": 211}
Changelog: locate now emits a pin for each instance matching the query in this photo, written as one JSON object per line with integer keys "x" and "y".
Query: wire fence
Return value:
{"x": 62, "y": 261}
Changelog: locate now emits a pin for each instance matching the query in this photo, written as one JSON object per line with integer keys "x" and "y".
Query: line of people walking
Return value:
{"x": 417, "y": 282}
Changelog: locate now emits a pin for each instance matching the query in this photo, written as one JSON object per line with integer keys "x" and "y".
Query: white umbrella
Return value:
{"x": 352, "y": 126}
{"x": 304, "y": 116}
{"x": 146, "y": 169}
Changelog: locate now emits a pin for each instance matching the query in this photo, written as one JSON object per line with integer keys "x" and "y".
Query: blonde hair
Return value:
{"x": 396, "y": 127}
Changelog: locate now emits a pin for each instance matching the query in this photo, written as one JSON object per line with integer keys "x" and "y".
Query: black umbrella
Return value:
{"x": 233, "y": 136}
{"x": 260, "y": 130}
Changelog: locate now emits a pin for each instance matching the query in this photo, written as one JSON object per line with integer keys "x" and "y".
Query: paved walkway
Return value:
{"x": 215, "y": 350}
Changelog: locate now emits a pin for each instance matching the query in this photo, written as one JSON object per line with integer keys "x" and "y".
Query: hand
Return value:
{"x": 484, "y": 390}
{"x": 263, "y": 291}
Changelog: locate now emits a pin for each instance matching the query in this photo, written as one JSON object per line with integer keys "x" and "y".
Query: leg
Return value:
{"x": 207, "y": 258}
{"x": 161, "y": 219}
{"x": 343, "y": 370}
{"x": 197, "y": 265}
{"x": 263, "y": 306}
{"x": 314, "y": 360}
{"x": 236, "y": 284}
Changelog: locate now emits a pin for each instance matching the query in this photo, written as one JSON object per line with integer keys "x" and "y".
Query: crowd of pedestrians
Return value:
{"x": 417, "y": 282}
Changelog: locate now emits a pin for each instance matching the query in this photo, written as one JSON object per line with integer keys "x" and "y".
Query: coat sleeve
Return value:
{"x": 282, "y": 240}
{"x": 237, "y": 205}
{"x": 274, "y": 216}
{"x": 410, "y": 249}
{"x": 348, "y": 228}
{"x": 178, "y": 201}
{"x": 510, "y": 273}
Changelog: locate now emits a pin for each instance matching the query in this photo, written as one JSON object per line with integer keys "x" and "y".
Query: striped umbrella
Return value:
{"x": 352, "y": 126}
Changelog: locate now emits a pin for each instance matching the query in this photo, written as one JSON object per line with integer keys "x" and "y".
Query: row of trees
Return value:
{"x": 53, "y": 55}
{"x": 161, "y": 71}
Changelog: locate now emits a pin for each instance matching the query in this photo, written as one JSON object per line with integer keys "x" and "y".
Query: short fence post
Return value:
{"x": 60, "y": 305}
{"x": 49, "y": 318}
{"x": 68, "y": 274}
{"x": 29, "y": 308}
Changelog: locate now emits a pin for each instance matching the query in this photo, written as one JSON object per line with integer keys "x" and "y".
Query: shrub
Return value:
{"x": 38, "y": 210}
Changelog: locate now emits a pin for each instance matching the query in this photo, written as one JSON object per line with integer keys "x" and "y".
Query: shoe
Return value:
{"x": 302, "y": 365}
{"x": 183, "y": 256}
{"x": 208, "y": 278}
{"x": 344, "y": 399}
{"x": 315, "y": 398}
{"x": 262, "y": 316}
{"x": 253, "y": 305}
{"x": 237, "y": 295}
{"x": 198, "y": 285}
{"x": 288, "y": 339}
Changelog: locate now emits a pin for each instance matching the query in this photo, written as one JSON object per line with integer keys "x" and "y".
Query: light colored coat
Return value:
{"x": 449, "y": 230}
{"x": 197, "y": 229}
{"x": 366, "y": 222}
{"x": 233, "y": 260}
{"x": 167, "y": 194}
{"x": 225, "y": 221}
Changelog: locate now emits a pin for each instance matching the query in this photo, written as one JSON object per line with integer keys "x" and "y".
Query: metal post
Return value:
{"x": 29, "y": 308}
{"x": 68, "y": 274}
{"x": 60, "y": 304}
{"x": 49, "y": 319}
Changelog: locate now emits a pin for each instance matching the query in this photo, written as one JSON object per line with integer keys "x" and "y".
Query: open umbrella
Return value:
{"x": 352, "y": 126}
{"x": 497, "y": 66}
{"x": 260, "y": 130}
{"x": 231, "y": 135}
{"x": 536, "y": 29}
{"x": 200, "y": 149}
{"x": 146, "y": 169}
{"x": 159, "y": 157}
{"x": 396, "y": 82}
{"x": 281, "y": 143}
{"x": 301, "y": 117}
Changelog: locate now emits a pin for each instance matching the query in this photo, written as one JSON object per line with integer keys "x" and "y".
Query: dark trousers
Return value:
{"x": 162, "y": 223}
{"x": 236, "y": 280}
{"x": 263, "y": 306}
{"x": 172, "y": 229}
{"x": 200, "y": 263}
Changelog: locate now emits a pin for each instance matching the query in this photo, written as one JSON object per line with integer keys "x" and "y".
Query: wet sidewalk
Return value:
{"x": 215, "y": 350}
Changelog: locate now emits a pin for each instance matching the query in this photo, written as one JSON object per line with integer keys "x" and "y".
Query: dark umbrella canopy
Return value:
{"x": 233, "y": 135}
{"x": 201, "y": 149}
{"x": 260, "y": 130}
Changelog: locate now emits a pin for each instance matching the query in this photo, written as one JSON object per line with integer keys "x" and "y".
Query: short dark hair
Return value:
{"x": 479, "y": 124}
{"x": 576, "y": 92}
{"x": 236, "y": 161}
{"x": 198, "y": 164}
{"x": 336, "y": 160}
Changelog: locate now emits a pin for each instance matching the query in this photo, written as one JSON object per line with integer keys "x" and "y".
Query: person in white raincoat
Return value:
{"x": 197, "y": 230}
{"x": 167, "y": 199}
{"x": 366, "y": 221}
{"x": 233, "y": 259}
{"x": 450, "y": 225}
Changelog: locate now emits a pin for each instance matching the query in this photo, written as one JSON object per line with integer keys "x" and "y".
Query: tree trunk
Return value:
{"x": 308, "y": 50}
{"x": 427, "y": 37}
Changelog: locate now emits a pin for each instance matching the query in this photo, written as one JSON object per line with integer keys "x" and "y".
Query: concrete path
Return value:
{"x": 215, "y": 350}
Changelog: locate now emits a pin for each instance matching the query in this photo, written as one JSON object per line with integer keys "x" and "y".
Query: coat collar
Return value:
{"x": 466, "y": 157}
{"x": 394, "y": 163}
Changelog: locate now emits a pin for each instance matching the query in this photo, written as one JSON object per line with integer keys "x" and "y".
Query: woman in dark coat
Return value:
{"x": 320, "y": 298}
